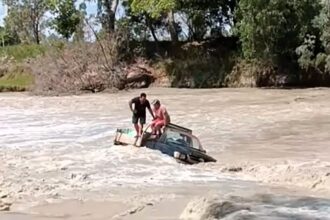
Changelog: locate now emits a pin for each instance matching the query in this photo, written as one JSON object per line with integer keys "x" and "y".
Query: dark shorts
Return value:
{"x": 137, "y": 118}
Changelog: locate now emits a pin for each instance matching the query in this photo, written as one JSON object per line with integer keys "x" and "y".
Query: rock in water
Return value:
{"x": 3, "y": 196}
{"x": 5, "y": 206}
{"x": 232, "y": 169}
{"x": 209, "y": 209}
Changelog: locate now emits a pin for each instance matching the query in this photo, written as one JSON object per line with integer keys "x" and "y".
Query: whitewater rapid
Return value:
{"x": 62, "y": 147}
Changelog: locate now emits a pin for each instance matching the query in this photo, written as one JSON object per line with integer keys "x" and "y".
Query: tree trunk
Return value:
{"x": 172, "y": 27}
{"x": 110, "y": 9}
{"x": 115, "y": 4}
{"x": 35, "y": 19}
{"x": 151, "y": 28}
{"x": 110, "y": 27}
{"x": 36, "y": 34}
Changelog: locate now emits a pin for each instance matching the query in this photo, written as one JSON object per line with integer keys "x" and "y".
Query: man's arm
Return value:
{"x": 166, "y": 117}
{"x": 151, "y": 112}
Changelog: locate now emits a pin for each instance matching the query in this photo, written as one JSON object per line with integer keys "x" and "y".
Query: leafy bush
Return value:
{"x": 273, "y": 29}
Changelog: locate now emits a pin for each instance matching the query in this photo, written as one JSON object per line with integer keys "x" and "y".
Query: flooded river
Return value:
{"x": 61, "y": 148}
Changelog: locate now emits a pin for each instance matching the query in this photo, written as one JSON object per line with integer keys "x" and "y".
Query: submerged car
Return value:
{"x": 175, "y": 141}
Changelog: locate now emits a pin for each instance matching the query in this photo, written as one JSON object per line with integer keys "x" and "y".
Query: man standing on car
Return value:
{"x": 139, "y": 112}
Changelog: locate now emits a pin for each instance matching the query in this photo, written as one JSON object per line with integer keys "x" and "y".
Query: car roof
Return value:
{"x": 181, "y": 132}
{"x": 179, "y": 128}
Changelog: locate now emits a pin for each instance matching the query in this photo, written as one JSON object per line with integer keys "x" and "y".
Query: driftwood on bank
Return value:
{"x": 139, "y": 77}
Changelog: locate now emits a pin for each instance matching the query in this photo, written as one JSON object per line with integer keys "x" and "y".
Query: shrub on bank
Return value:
{"x": 14, "y": 76}
{"x": 16, "y": 82}
{"x": 200, "y": 65}
{"x": 22, "y": 52}
{"x": 80, "y": 67}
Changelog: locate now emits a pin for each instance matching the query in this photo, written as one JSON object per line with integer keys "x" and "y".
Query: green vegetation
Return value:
{"x": 14, "y": 76}
{"x": 21, "y": 52}
{"x": 312, "y": 55}
{"x": 16, "y": 81}
{"x": 68, "y": 18}
{"x": 273, "y": 29}
{"x": 155, "y": 8}
{"x": 25, "y": 19}
{"x": 197, "y": 44}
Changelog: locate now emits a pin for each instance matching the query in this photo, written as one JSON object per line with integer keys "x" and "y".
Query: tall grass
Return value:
{"x": 21, "y": 52}
{"x": 16, "y": 81}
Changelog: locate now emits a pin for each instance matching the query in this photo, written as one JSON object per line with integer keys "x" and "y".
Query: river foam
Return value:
{"x": 62, "y": 147}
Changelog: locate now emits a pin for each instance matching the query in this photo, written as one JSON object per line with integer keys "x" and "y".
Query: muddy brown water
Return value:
{"x": 61, "y": 147}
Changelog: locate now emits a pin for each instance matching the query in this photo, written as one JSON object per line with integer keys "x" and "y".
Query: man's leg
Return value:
{"x": 141, "y": 129}
{"x": 137, "y": 129}
{"x": 152, "y": 125}
{"x": 135, "y": 122}
{"x": 142, "y": 122}
{"x": 158, "y": 126}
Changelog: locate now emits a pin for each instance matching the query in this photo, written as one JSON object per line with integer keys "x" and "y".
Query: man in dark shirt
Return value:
{"x": 139, "y": 112}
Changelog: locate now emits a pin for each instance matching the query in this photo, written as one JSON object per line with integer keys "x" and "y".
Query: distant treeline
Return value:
{"x": 230, "y": 42}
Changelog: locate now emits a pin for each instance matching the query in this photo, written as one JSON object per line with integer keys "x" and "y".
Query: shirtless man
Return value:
{"x": 139, "y": 112}
{"x": 161, "y": 119}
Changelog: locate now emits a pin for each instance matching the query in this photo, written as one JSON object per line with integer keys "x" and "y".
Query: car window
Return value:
{"x": 181, "y": 139}
{"x": 196, "y": 144}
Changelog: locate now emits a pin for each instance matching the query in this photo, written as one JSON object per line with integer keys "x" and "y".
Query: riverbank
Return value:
{"x": 266, "y": 141}
{"x": 80, "y": 68}
{"x": 190, "y": 202}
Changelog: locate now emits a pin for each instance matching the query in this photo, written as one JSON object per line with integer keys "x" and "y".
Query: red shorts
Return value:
{"x": 158, "y": 122}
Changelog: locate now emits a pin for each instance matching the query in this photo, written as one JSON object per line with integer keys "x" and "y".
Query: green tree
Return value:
{"x": 156, "y": 9}
{"x": 25, "y": 18}
{"x": 141, "y": 25}
{"x": 106, "y": 13}
{"x": 67, "y": 18}
{"x": 80, "y": 32}
{"x": 273, "y": 29}
{"x": 207, "y": 16}
{"x": 8, "y": 38}
{"x": 203, "y": 18}
{"x": 311, "y": 54}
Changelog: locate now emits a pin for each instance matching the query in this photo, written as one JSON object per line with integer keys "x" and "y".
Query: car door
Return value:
{"x": 163, "y": 146}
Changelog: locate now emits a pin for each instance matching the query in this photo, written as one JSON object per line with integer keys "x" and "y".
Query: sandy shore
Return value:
{"x": 57, "y": 156}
